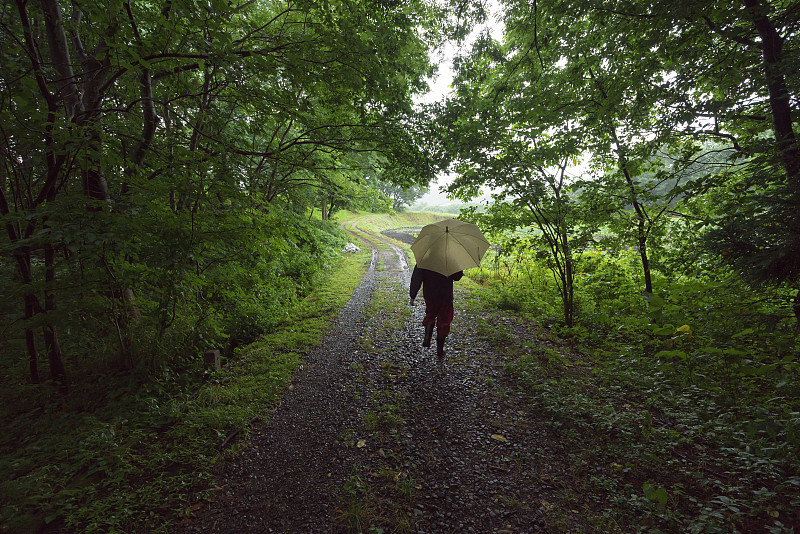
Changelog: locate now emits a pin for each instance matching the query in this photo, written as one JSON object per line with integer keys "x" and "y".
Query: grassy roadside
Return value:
{"x": 383, "y": 221}
{"x": 146, "y": 451}
{"x": 371, "y": 226}
{"x": 375, "y": 223}
{"x": 641, "y": 452}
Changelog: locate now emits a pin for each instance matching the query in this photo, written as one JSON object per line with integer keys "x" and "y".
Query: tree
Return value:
{"x": 645, "y": 78}
{"x": 127, "y": 126}
{"x": 491, "y": 135}
{"x": 701, "y": 71}
{"x": 400, "y": 196}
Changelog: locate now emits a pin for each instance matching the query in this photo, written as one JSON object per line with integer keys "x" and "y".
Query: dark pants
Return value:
{"x": 440, "y": 313}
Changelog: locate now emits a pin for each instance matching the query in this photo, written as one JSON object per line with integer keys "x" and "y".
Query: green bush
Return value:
{"x": 679, "y": 409}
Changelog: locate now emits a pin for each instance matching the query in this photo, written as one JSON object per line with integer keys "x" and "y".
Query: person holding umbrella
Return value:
{"x": 437, "y": 290}
{"x": 443, "y": 250}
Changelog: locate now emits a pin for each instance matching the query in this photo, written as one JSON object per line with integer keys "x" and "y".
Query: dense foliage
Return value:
{"x": 643, "y": 156}
{"x": 678, "y": 413}
{"x": 615, "y": 115}
{"x": 160, "y": 162}
{"x": 136, "y": 451}
{"x": 168, "y": 175}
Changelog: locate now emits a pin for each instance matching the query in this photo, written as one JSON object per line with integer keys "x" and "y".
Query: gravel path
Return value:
{"x": 376, "y": 435}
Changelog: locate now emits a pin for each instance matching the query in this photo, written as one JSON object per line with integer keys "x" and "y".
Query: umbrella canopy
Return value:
{"x": 449, "y": 246}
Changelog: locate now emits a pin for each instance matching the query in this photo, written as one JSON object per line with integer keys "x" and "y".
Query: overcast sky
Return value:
{"x": 440, "y": 87}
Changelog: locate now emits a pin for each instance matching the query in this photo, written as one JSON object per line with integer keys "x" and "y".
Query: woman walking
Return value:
{"x": 437, "y": 290}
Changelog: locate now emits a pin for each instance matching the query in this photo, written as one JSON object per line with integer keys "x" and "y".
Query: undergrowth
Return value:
{"x": 680, "y": 412}
{"x": 132, "y": 452}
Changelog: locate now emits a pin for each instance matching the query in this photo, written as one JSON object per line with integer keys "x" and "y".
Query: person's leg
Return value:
{"x": 426, "y": 341}
{"x": 443, "y": 320}
{"x": 444, "y": 316}
{"x": 431, "y": 312}
{"x": 440, "y": 347}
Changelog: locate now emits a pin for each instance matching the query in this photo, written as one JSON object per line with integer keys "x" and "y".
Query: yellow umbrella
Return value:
{"x": 449, "y": 246}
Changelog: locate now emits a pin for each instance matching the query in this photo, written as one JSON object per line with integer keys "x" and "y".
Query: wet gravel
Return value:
{"x": 376, "y": 432}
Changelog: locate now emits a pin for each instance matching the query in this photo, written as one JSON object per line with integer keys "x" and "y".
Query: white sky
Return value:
{"x": 440, "y": 87}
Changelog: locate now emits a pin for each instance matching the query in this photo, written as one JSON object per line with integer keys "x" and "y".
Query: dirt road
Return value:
{"x": 375, "y": 435}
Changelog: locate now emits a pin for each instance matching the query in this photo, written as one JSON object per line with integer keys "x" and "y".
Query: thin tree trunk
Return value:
{"x": 641, "y": 230}
{"x": 641, "y": 216}
{"x": 30, "y": 338}
{"x": 779, "y": 98}
{"x": 32, "y": 308}
{"x": 642, "y": 237}
{"x": 569, "y": 295}
{"x": 23, "y": 262}
{"x": 57, "y": 370}
{"x": 33, "y": 354}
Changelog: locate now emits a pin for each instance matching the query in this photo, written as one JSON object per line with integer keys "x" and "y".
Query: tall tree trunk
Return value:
{"x": 57, "y": 370}
{"x": 779, "y": 98}
{"x": 73, "y": 102}
{"x": 58, "y": 45}
{"x": 95, "y": 73}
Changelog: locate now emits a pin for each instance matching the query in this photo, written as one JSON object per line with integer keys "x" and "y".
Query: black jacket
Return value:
{"x": 435, "y": 286}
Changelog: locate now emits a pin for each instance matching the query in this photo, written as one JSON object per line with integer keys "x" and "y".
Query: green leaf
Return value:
{"x": 744, "y": 332}
{"x": 666, "y": 330}
{"x": 655, "y": 493}
{"x": 52, "y": 516}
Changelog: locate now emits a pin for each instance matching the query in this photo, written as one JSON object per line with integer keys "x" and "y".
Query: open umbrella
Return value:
{"x": 449, "y": 246}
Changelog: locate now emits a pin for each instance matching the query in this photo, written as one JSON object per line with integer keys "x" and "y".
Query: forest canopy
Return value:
{"x": 636, "y": 119}
{"x": 161, "y": 161}
{"x": 170, "y": 178}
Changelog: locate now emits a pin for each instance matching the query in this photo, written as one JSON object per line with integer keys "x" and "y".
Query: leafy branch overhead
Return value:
{"x": 129, "y": 121}
{"x": 642, "y": 106}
